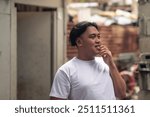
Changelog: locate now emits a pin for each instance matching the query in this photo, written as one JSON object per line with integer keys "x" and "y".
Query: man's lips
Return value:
{"x": 97, "y": 46}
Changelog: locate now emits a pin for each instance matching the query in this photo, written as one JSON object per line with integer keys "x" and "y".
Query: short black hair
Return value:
{"x": 79, "y": 29}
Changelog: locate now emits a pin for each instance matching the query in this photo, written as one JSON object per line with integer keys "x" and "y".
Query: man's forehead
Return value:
{"x": 92, "y": 31}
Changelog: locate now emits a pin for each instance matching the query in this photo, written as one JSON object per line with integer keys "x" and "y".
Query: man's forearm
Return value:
{"x": 119, "y": 83}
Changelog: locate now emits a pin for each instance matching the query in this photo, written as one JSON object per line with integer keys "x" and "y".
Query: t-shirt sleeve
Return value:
{"x": 61, "y": 85}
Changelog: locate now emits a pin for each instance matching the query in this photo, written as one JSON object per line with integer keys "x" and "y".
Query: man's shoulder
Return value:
{"x": 69, "y": 64}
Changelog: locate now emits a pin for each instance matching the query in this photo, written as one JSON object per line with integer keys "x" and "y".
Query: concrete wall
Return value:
{"x": 144, "y": 22}
{"x": 144, "y": 16}
{"x": 4, "y": 49}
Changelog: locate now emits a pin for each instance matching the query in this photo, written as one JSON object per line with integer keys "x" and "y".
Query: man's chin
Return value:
{"x": 97, "y": 54}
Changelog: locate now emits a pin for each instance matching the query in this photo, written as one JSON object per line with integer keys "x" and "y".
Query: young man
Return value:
{"x": 87, "y": 76}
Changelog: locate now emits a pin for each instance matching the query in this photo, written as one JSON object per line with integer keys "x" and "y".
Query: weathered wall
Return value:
{"x": 4, "y": 49}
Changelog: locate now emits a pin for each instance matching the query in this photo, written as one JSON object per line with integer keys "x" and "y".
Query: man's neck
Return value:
{"x": 85, "y": 58}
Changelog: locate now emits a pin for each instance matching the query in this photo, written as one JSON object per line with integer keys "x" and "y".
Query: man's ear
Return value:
{"x": 79, "y": 42}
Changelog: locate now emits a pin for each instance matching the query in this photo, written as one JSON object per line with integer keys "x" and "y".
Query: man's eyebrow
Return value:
{"x": 95, "y": 34}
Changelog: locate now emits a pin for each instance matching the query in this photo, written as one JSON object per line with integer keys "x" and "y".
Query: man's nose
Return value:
{"x": 97, "y": 39}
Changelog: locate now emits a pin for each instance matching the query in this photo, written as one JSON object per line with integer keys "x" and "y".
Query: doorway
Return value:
{"x": 35, "y": 26}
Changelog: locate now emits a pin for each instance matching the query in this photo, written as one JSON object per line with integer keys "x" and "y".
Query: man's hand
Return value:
{"x": 106, "y": 54}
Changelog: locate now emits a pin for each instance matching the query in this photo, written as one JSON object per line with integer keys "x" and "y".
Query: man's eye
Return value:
{"x": 92, "y": 36}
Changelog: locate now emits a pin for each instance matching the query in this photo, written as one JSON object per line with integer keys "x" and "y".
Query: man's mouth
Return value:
{"x": 97, "y": 46}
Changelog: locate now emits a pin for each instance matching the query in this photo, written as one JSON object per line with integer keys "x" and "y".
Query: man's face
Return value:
{"x": 91, "y": 41}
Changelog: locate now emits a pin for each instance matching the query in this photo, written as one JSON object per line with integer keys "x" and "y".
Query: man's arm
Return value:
{"x": 61, "y": 86}
{"x": 118, "y": 81}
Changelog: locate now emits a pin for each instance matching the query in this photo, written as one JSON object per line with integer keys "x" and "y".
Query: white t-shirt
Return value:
{"x": 83, "y": 80}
